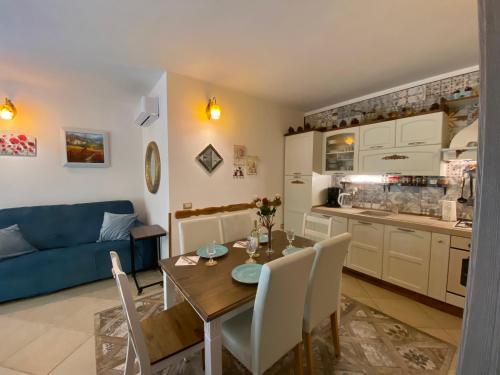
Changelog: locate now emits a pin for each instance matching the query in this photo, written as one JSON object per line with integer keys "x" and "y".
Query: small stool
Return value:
{"x": 142, "y": 233}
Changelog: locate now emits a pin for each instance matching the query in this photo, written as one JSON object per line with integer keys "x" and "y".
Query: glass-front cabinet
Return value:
{"x": 340, "y": 151}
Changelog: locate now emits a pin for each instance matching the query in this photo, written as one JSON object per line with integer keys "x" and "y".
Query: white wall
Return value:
{"x": 157, "y": 205}
{"x": 47, "y": 105}
{"x": 245, "y": 120}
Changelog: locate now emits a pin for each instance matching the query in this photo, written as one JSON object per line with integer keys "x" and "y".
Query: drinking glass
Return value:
{"x": 290, "y": 236}
{"x": 211, "y": 253}
{"x": 251, "y": 248}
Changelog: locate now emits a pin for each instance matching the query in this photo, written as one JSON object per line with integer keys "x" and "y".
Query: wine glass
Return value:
{"x": 290, "y": 236}
{"x": 251, "y": 248}
{"x": 211, "y": 252}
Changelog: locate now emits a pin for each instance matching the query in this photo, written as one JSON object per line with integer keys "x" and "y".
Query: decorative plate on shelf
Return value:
{"x": 220, "y": 250}
{"x": 247, "y": 273}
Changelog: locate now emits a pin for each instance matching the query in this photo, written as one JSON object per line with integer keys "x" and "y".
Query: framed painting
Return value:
{"x": 85, "y": 148}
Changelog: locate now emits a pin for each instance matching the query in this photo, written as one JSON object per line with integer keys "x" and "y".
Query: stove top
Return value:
{"x": 464, "y": 223}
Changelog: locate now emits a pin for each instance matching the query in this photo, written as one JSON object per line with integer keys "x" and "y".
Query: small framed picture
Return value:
{"x": 85, "y": 148}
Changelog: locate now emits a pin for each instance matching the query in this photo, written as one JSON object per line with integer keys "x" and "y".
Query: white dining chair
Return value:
{"x": 163, "y": 338}
{"x": 311, "y": 224}
{"x": 323, "y": 291}
{"x": 262, "y": 335}
{"x": 236, "y": 226}
{"x": 196, "y": 233}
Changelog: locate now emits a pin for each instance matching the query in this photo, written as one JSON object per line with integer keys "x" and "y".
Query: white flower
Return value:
{"x": 258, "y": 204}
{"x": 277, "y": 197}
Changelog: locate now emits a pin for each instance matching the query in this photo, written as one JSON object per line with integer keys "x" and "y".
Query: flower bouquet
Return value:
{"x": 266, "y": 211}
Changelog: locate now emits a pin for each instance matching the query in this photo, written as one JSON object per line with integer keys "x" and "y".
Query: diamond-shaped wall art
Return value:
{"x": 209, "y": 158}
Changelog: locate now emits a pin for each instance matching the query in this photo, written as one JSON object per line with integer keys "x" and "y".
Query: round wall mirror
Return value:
{"x": 153, "y": 167}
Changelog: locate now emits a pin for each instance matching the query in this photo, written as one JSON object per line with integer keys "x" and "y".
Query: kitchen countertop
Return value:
{"x": 426, "y": 223}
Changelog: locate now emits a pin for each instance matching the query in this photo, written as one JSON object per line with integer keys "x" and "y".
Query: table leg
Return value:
{"x": 132, "y": 261}
{"x": 169, "y": 295}
{"x": 213, "y": 347}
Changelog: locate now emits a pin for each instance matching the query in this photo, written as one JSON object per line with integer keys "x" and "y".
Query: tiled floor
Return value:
{"x": 54, "y": 334}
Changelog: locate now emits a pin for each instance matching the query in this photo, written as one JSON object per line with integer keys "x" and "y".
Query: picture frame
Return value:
{"x": 85, "y": 148}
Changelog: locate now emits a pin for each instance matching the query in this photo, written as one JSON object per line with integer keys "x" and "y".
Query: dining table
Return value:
{"x": 214, "y": 294}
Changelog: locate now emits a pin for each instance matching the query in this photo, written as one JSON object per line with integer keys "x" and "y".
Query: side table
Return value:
{"x": 142, "y": 233}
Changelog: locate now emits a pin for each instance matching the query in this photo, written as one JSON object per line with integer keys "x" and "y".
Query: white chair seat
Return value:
{"x": 236, "y": 336}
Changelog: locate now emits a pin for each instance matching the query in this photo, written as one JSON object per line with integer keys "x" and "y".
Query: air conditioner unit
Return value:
{"x": 148, "y": 112}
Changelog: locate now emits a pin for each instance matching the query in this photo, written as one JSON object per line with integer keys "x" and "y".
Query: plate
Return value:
{"x": 264, "y": 238}
{"x": 291, "y": 250}
{"x": 220, "y": 250}
{"x": 247, "y": 273}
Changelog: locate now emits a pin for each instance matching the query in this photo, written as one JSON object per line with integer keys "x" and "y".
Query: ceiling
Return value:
{"x": 306, "y": 54}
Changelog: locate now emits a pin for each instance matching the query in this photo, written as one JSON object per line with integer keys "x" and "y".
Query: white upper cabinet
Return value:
{"x": 406, "y": 258}
{"x": 303, "y": 153}
{"x": 377, "y": 136}
{"x": 340, "y": 151}
{"x": 419, "y": 161}
{"x": 430, "y": 129}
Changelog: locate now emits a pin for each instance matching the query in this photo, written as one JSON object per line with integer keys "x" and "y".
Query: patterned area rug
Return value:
{"x": 371, "y": 343}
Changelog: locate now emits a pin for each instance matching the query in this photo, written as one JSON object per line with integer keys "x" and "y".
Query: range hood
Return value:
{"x": 463, "y": 146}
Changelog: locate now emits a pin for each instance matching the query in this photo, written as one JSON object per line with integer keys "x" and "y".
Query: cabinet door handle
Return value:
{"x": 440, "y": 241}
{"x": 373, "y": 147}
{"x": 416, "y": 143}
{"x": 297, "y": 182}
{"x": 364, "y": 222}
{"x": 395, "y": 157}
{"x": 406, "y": 230}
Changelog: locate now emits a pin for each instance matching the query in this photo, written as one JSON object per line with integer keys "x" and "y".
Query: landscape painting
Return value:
{"x": 85, "y": 148}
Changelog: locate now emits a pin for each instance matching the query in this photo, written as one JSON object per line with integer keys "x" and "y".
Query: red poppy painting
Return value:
{"x": 17, "y": 144}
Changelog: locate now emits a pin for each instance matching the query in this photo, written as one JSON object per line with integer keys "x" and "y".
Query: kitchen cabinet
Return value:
{"x": 303, "y": 153}
{"x": 438, "y": 268}
{"x": 377, "y": 136}
{"x": 340, "y": 151}
{"x": 429, "y": 129}
{"x": 419, "y": 161}
{"x": 339, "y": 225}
{"x": 406, "y": 258}
{"x": 365, "y": 253}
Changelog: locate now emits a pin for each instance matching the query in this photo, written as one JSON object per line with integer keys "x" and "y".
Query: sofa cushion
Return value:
{"x": 116, "y": 227}
{"x": 12, "y": 243}
{"x": 51, "y": 227}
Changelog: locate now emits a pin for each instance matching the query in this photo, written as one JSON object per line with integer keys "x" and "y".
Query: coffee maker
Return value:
{"x": 333, "y": 196}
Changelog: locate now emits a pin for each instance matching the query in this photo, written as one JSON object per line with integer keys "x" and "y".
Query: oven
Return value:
{"x": 458, "y": 265}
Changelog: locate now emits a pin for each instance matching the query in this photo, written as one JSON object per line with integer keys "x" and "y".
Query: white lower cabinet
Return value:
{"x": 438, "y": 269}
{"x": 339, "y": 225}
{"x": 406, "y": 258}
{"x": 365, "y": 254}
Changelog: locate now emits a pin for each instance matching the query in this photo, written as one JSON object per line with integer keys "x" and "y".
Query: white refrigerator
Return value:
{"x": 304, "y": 188}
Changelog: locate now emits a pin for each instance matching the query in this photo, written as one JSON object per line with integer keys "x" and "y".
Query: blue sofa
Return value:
{"x": 68, "y": 253}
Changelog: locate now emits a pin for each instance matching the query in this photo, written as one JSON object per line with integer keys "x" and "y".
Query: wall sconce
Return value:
{"x": 213, "y": 109}
{"x": 8, "y": 110}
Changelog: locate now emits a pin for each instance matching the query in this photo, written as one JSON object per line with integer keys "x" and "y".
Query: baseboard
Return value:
{"x": 426, "y": 300}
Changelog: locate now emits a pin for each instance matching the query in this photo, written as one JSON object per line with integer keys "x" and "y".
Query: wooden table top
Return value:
{"x": 211, "y": 290}
{"x": 147, "y": 231}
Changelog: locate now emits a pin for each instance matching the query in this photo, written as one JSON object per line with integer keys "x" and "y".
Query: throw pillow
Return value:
{"x": 12, "y": 243}
{"x": 116, "y": 227}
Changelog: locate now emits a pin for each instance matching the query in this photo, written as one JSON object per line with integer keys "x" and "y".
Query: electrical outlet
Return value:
{"x": 187, "y": 206}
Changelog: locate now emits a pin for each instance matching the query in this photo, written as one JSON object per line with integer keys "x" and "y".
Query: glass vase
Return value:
{"x": 269, "y": 239}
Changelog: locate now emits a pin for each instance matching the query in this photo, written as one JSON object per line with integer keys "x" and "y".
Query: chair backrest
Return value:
{"x": 133, "y": 322}
{"x": 279, "y": 308}
{"x": 196, "y": 233}
{"x": 236, "y": 226}
{"x": 323, "y": 291}
{"x": 310, "y": 226}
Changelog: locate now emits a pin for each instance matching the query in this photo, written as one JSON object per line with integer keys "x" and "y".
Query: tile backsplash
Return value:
{"x": 412, "y": 199}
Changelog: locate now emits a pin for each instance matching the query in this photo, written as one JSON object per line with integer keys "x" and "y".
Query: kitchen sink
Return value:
{"x": 376, "y": 213}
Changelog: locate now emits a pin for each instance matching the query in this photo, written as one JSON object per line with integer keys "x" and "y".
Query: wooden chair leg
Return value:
{"x": 309, "y": 353}
{"x": 335, "y": 333}
{"x": 203, "y": 359}
{"x": 298, "y": 359}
